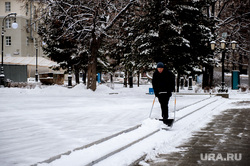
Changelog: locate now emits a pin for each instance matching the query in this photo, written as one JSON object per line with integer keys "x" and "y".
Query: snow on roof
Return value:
{"x": 28, "y": 61}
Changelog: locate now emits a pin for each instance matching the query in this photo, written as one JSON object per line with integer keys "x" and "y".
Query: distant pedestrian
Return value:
{"x": 163, "y": 85}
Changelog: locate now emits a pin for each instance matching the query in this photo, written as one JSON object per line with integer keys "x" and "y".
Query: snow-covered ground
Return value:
{"x": 39, "y": 123}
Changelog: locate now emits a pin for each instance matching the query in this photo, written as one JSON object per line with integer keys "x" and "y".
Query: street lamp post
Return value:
{"x": 36, "y": 76}
{"x": 14, "y": 26}
{"x": 223, "y": 48}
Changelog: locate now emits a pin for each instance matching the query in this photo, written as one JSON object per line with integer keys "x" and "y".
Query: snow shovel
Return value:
{"x": 152, "y": 108}
{"x": 170, "y": 122}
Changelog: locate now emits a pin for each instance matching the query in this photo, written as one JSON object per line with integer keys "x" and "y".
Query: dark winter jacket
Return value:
{"x": 163, "y": 82}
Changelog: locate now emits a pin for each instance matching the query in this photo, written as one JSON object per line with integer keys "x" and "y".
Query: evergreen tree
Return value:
{"x": 185, "y": 33}
{"x": 126, "y": 48}
{"x": 163, "y": 31}
{"x": 176, "y": 33}
{"x": 148, "y": 40}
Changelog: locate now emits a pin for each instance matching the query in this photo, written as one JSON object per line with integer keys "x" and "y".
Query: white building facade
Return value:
{"x": 21, "y": 41}
{"x": 20, "y": 44}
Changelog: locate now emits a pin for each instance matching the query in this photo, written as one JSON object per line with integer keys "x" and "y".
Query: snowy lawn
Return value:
{"x": 39, "y": 123}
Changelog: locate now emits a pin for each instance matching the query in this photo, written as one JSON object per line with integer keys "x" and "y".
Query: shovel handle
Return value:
{"x": 152, "y": 107}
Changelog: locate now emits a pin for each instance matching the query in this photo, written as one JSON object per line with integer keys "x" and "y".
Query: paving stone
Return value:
{"x": 226, "y": 140}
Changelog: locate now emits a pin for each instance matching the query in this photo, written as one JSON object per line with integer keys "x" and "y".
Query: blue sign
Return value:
{"x": 151, "y": 91}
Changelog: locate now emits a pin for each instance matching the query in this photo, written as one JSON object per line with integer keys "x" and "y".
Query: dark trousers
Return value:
{"x": 164, "y": 99}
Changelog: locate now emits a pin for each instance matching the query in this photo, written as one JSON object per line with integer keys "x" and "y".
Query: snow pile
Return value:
{"x": 151, "y": 124}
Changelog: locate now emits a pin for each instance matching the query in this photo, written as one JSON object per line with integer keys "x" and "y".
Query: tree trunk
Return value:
{"x": 207, "y": 76}
{"x": 91, "y": 84}
{"x": 178, "y": 82}
{"x": 211, "y": 76}
{"x": 248, "y": 72}
{"x": 77, "y": 75}
{"x": 138, "y": 78}
{"x": 130, "y": 80}
{"x": 126, "y": 80}
{"x": 205, "y": 80}
{"x": 84, "y": 74}
{"x": 112, "y": 81}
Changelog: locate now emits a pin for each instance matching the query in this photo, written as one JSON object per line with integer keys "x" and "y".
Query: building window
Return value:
{"x": 27, "y": 8}
{"x": 35, "y": 42}
{"x": 27, "y": 26}
{"x": 7, "y": 7}
{"x": 7, "y": 24}
{"x": 35, "y": 12}
{"x": 8, "y": 40}
{"x": 27, "y": 41}
{"x": 35, "y": 26}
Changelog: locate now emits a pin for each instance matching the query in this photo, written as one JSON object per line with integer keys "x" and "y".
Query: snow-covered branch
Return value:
{"x": 118, "y": 15}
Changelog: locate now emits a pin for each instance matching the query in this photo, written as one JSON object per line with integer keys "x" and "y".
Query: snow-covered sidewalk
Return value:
{"x": 39, "y": 123}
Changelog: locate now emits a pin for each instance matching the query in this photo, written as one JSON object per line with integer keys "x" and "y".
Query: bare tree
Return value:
{"x": 233, "y": 18}
{"x": 88, "y": 21}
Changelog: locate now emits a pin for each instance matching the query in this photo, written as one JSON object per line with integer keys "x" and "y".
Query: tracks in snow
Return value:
{"x": 126, "y": 139}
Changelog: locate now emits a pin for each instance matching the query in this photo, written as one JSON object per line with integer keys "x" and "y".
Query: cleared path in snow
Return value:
{"x": 114, "y": 147}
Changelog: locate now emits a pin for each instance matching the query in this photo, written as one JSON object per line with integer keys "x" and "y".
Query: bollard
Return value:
{"x": 151, "y": 91}
{"x": 130, "y": 80}
{"x": 182, "y": 83}
{"x": 190, "y": 83}
{"x": 99, "y": 78}
{"x": 69, "y": 79}
{"x": 235, "y": 79}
